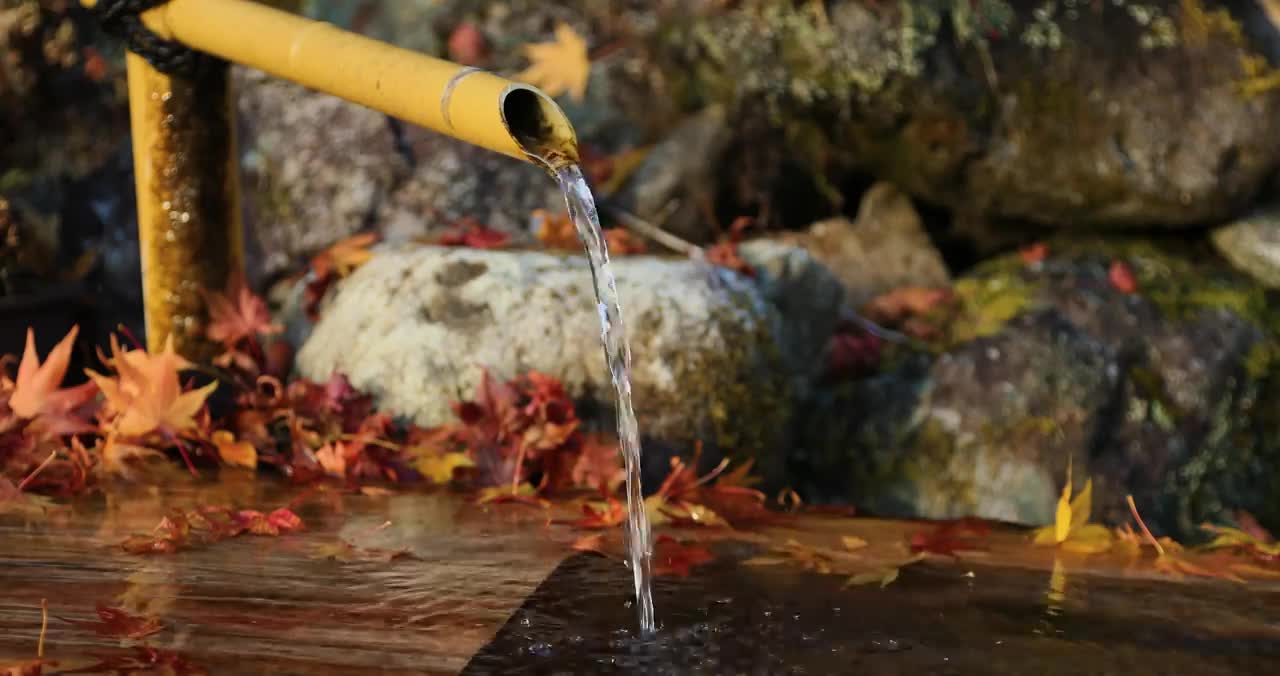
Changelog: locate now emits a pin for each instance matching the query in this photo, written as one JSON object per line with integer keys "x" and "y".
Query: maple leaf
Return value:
{"x": 671, "y": 557}
{"x": 333, "y": 263}
{"x": 467, "y": 45}
{"x": 724, "y": 253}
{"x": 282, "y": 520}
{"x": 237, "y": 314}
{"x": 1035, "y": 253}
{"x": 589, "y": 543}
{"x": 791, "y": 551}
{"x": 559, "y": 66}
{"x": 1121, "y": 277}
{"x": 556, "y": 231}
{"x": 440, "y": 467}
{"x": 900, "y": 304}
{"x": 598, "y": 465}
{"x": 622, "y": 242}
{"x": 119, "y": 623}
{"x": 523, "y": 494}
{"x": 142, "y": 658}
{"x": 1071, "y": 529}
{"x": 37, "y": 395}
{"x": 607, "y": 514}
{"x": 950, "y": 538}
{"x": 232, "y": 452}
{"x": 147, "y": 396}
{"x": 472, "y": 233}
{"x": 1250, "y": 537}
{"x": 28, "y": 668}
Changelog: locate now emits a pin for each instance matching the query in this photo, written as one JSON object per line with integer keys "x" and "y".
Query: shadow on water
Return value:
{"x": 935, "y": 619}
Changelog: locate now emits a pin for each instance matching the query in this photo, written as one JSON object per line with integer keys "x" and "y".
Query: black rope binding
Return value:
{"x": 122, "y": 19}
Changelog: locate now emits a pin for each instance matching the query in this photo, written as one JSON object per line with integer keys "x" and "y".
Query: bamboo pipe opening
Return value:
{"x": 538, "y": 126}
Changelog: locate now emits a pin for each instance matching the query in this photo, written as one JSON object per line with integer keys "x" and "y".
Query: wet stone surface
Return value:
{"x": 932, "y": 620}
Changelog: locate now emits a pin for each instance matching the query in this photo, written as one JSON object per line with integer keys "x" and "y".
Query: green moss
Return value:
{"x": 1259, "y": 361}
{"x": 988, "y": 303}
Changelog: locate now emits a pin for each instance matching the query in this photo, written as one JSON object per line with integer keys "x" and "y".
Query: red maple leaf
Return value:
{"x": 472, "y": 233}
{"x": 611, "y": 514}
{"x": 467, "y": 45}
{"x": 671, "y": 557}
{"x": 237, "y": 314}
{"x": 1035, "y": 253}
{"x": 949, "y": 538}
{"x": 724, "y": 253}
{"x": 1121, "y": 276}
{"x": 142, "y": 658}
{"x": 119, "y": 623}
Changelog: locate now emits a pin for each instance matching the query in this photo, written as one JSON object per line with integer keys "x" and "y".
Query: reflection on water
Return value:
{"x": 933, "y": 620}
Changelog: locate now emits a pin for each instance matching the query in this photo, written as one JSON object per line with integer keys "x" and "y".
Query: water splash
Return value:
{"x": 617, "y": 352}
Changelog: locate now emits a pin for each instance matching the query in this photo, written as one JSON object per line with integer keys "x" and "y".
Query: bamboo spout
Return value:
{"x": 469, "y": 104}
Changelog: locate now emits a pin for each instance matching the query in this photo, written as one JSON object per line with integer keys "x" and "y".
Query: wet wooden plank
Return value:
{"x": 275, "y": 605}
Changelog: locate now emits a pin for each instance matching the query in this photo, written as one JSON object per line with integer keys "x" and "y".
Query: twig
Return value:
{"x": 1150, "y": 538}
{"x": 23, "y": 484}
{"x": 44, "y": 627}
{"x": 655, "y": 233}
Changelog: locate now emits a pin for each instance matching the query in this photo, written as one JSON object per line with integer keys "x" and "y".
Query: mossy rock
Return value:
{"x": 1168, "y": 392}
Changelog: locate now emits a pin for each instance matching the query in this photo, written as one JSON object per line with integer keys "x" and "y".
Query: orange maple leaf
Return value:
{"x": 36, "y": 394}
{"x": 146, "y": 396}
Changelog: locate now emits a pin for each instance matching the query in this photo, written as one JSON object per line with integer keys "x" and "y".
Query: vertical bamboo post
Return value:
{"x": 185, "y": 173}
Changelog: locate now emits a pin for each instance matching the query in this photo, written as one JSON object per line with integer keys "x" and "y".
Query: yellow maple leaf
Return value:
{"x": 559, "y": 66}
{"x": 238, "y": 453}
{"x": 439, "y": 467}
{"x": 1071, "y": 529}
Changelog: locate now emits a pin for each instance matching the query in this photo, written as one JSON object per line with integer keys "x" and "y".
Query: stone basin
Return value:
{"x": 498, "y": 589}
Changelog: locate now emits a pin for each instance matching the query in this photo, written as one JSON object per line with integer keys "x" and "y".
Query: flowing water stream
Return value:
{"x": 582, "y": 209}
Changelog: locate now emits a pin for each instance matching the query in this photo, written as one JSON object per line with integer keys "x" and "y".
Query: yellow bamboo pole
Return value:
{"x": 184, "y": 145}
{"x": 469, "y": 104}
{"x": 185, "y": 175}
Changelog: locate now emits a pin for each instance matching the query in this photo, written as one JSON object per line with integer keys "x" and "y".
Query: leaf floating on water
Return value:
{"x": 440, "y": 467}
{"x": 143, "y": 658}
{"x": 1071, "y": 530}
{"x": 851, "y": 543}
{"x": 671, "y": 557}
{"x": 606, "y": 514}
{"x": 560, "y": 66}
{"x": 119, "y": 623}
{"x": 235, "y": 453}
{"x": 951, "y": 538}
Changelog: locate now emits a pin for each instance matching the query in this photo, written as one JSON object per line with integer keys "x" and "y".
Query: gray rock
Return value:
{"x": 1167, "y": 393}
{"x": 452, "y": 180}
{"x": 809, "y": 297}
{"x": 415, "y": 326}
{"x": 315, "y": 169}
{"x": 1252, "y": 245}
{"x": 682, "y": 168}
{"x": 1117, "y": 114}
{"x": 884, "y": 249}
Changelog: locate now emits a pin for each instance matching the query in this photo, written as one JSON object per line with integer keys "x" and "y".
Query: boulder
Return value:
{"x": 314, "y": 169}
{"x": 885, "y": 248}
{"x": 1151, "y": 374}
{"x": 1252, "y": 245}
{"x": 714, "y": 360}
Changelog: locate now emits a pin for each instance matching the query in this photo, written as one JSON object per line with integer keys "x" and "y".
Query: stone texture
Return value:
{"x": 1167, "y": 393}
{"x": 415, "y": 326}
{"x": 1252, "y": 245}
{"x": 886, "y": 247}
{"x": 315, "y": 169}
